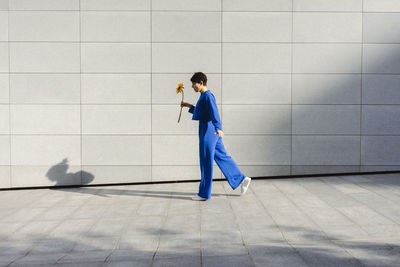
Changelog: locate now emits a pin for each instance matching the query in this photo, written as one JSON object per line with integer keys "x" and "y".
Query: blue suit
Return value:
{"x": 211, "y": 147}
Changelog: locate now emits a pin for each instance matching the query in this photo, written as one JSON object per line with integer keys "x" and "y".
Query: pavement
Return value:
{"x": 311, "y": 221}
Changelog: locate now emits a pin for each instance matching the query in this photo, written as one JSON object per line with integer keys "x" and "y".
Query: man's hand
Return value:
{"x": 220, "y": 133}
{"x": 186, "y": 104}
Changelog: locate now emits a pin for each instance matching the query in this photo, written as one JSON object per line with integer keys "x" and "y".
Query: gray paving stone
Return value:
{"x": 372, "y": 253}
{"x": 87, "y": 256}
{"x": 326, "y": 256}
{"x": 383, "y": 231}
{"x": 24, "y": 215}
{"x": 210, "y": 222}
{"x": 8, "y": 259}
{"x": 332, "y": 196}
{"x": 345, "y": 186}
{"x": 153, "y": 209}
{"x": 345, "y": 232}
{"x": 275, "y": 254}
{"x": 139, "y": 242}
{"x": 364, "y": 215}
{"x": 56, "y": 213}
{"x": 10, "y": 247}
{"x": 7, "y": 228}
{"x": 387, "y": 193}
{"x": 53, "y": 245}
{"x": 290, "y": 217}
{"x": 308, "y": 201}
{"x": 108, "y": 227}
{"x": 232, "y": 250}
{"x": 178, "y": 262}
{"x": 276, "y": 201}
{"x": 269, "y": 248}
{"x": 183, "y": 252}
{"x": 94, "y": 243}
{"x": 120, "y": 210}
{"x": 341, "y": 201}
{"x": 30, "y": 264}
{"x": 302, "y": 234}
{"x": 325, "y": 217}
{"x": 372, "y": 199}
{"x": 179, "y": 241}
{"x": 4, "y": 212}
{"x": 249, "y": 220}
{"x": 86, "y": 212}
{"x": 130, "y": 255}
{"x": 47, "y": 201}
{"x": 35, "y": 230}
{"x": 247, "y": 202}
{"x": 137, "y": 263}
{"x": 258, "y": 237}
{"x": 145, "y": 224}
{"x": 228, "y": 261}
{"x": 288, "y": 187}
{"x": 79, "y": 264}
{"x": 323, "y": 221}
{"x": 280, "y": 259}
{"x": 180, "y": 224}
{"x": 221, "y": 206}
{"x": 73, "y": 201}
{"x": 39, "y": 259}
{"x": 179, "y": 207}
{"x": 72, "y": 228}
{"x": 99, "y": 201}
{"x": 213, "y": 238}
{"x": 356, "y": 179}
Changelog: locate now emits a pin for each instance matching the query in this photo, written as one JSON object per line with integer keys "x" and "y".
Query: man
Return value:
{"x": 210, "y": 141}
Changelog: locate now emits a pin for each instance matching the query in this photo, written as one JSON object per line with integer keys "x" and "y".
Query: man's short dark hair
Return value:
{"x": 199, "y": 77}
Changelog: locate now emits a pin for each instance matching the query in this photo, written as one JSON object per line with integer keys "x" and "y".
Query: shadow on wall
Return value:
{"x": 58, "y": 173}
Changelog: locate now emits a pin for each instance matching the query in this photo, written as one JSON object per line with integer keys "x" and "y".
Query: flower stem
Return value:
{"x": 181, "y": 108}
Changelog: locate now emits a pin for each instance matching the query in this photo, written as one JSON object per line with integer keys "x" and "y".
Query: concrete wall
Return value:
{"x": 87, "y": 88}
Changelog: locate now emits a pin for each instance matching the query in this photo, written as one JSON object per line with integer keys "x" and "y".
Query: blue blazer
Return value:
{"x": 206, "y": 110}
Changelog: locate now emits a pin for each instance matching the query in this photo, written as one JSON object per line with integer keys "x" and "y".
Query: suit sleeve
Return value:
{"x": 191, "y": 109}
{"x": 213, "y": 112}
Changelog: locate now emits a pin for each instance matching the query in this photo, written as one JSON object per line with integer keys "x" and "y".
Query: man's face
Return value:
{"x": 197, "y": 86}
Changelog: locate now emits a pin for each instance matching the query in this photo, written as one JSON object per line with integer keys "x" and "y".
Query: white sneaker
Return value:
{"x": 198, "y": 198}
{"x": 245, "y": 185}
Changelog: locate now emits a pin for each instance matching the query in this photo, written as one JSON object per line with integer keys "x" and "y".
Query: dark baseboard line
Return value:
{"x": 191, "y": 181}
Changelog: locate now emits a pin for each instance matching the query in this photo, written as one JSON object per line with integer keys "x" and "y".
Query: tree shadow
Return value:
{"x": 172, "y": 246}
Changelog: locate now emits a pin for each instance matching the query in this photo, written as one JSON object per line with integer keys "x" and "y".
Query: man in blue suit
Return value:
{"x": 210, "y": 141}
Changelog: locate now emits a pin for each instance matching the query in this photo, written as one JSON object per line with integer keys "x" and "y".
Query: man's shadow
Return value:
{"x": 58, "y": 173}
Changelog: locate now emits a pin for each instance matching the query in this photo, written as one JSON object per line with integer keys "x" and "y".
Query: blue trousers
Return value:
{"x": 211, "y": 148}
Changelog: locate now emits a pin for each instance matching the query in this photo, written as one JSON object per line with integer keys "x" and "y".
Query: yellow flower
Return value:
{"x": 179, "y": 88}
